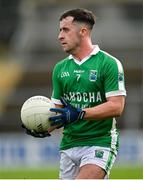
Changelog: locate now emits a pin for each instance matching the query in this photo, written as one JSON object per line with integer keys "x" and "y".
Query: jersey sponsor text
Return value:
{"x": 90, "y": 97}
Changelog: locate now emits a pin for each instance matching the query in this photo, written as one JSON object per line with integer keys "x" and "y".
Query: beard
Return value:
{"x": 72, "y": 49}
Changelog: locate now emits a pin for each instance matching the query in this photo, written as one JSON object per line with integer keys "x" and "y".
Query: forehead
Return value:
{"x": 66, "y": 21}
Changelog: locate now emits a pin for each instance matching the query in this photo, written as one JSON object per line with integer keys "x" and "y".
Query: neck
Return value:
{"x": 84, "y": 50}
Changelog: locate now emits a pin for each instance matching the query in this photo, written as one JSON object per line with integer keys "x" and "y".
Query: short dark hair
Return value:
{"x": 80, "y": 15}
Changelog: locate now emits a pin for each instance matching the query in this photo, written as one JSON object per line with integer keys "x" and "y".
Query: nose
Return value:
{"x": 60, "y": 36}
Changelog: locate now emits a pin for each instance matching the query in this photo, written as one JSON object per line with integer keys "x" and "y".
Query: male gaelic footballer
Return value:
{"x": 89, "y": 92}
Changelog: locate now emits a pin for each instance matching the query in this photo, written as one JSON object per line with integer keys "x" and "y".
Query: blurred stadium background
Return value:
{"x": 28, "y": 51}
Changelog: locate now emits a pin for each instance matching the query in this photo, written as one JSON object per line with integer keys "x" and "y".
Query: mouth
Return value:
{"x": 63, "y": 43}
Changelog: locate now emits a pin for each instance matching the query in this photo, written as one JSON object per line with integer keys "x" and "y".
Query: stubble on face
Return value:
{"x": 70, "y": 37}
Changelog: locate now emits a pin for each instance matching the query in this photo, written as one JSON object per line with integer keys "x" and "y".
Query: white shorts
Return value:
{"x": 74, "y": 158}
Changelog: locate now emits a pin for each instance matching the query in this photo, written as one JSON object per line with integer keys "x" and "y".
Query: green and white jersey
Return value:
{"x": 84, "y": 84}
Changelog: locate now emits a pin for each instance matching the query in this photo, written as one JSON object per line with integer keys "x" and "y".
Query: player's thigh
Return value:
{"x": 68, "y": 169}
{"x": 91, "y": 171}
{"x": 96, "y": 162}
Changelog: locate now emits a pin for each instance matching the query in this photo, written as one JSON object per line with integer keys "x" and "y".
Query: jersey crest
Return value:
{"x": 93, "y": 75}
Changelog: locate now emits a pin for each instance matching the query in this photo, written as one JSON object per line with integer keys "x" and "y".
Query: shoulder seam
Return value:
{"x": 118, "y": 62}
{"x": 109, "y": 55}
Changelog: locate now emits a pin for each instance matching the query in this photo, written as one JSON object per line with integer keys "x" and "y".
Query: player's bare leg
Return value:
{"x": 91, "y": 171}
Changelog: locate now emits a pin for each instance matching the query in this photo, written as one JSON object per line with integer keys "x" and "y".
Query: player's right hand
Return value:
{"x": 35, "y": 133}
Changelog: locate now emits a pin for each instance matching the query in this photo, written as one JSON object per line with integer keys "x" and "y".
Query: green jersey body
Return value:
{"x": 87, "y": 84}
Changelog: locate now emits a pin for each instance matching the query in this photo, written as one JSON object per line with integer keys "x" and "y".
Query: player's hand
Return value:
{"x": 68, "y": 114}
{"x": 35, "y": 133}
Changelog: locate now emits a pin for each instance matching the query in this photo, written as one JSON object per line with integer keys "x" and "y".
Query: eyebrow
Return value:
{"x": 64, "y": 28}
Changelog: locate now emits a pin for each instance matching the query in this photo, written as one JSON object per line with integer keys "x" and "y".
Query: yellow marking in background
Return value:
{"x": 10, "y": 75}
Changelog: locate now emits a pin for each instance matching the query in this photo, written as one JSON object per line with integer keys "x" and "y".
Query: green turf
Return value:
{"x": 116, "y": 173}
{"x": 29, "y": 174}
{"x": 127, "y": 173}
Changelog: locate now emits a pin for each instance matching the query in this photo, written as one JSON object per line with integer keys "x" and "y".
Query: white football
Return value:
{"x": 35, "y": 113}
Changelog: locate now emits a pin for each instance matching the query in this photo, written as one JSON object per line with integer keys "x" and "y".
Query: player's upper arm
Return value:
{"x": 114, "y": 82}
{"x": 57, "y": 88}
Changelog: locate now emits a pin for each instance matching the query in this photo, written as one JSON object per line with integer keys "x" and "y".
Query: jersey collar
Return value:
{"x": 94, "y": 52}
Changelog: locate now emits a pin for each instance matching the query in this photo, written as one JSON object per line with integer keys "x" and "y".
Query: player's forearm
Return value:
{"x": 105, "y": 110}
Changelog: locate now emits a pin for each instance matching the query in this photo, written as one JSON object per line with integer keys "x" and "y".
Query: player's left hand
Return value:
{"x": 35, "y": 133}
{"x": 68, "y": 114}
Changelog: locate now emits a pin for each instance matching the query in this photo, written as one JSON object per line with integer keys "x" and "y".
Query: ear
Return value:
{"x": 83, "y": 31}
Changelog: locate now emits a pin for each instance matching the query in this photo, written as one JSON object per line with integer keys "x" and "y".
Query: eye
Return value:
{"x": 66, "y": 29}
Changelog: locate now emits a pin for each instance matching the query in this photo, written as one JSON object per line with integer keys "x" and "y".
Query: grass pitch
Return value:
{"x": 116, "y": 173}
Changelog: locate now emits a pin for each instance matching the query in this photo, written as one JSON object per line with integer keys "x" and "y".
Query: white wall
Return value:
{"x": 22, "y": 150}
